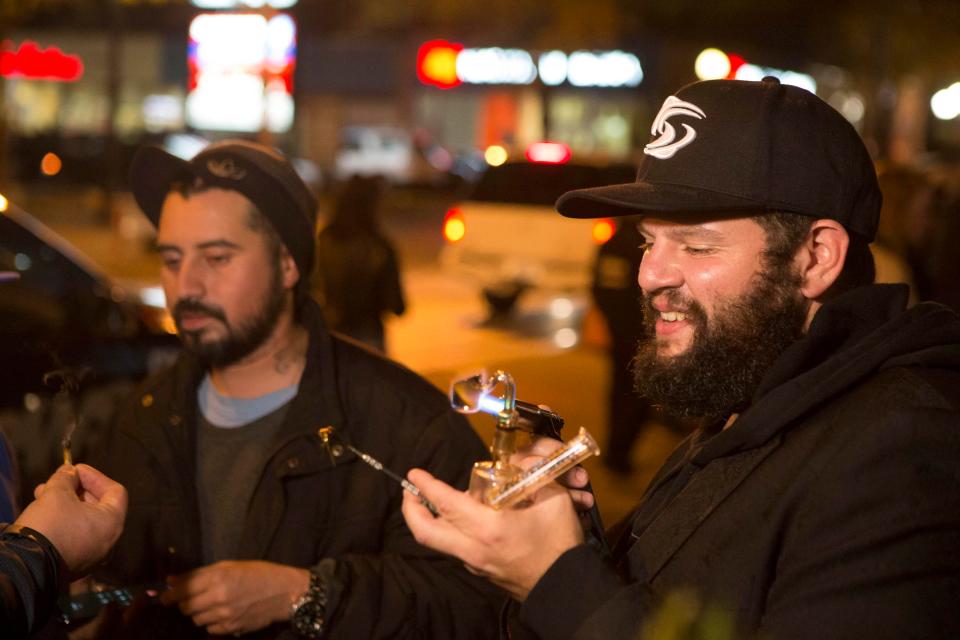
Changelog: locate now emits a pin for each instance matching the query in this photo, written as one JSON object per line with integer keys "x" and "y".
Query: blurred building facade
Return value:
{"x": 141, "y": 80}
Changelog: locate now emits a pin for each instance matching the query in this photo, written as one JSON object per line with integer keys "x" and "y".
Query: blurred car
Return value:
{"x": 58, "y": 310}
{"x": 398, "y": 156}
{"x": 65, "y": 325}
{"x": 507, "y": 238}
{"x": 375, "y": 151}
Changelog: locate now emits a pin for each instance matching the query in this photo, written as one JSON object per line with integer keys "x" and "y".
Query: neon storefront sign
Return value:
{"x": 445, "y": 65}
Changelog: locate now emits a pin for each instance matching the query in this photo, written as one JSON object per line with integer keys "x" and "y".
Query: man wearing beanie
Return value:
{"x": 245, "y": 498}
{"x": 821, "y": 496}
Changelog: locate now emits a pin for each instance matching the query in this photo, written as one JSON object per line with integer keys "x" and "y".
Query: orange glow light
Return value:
{"x": 454, "y": 226}
{"x": 51, "y": 164}
{"x": 603, "y": 230}
{"x": 437, "y": 63}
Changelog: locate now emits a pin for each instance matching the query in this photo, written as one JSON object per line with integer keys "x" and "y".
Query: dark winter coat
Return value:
{"x": 829, "y": 509}
{"x": 310, "y": 504}
{"x": 29, "y": 581}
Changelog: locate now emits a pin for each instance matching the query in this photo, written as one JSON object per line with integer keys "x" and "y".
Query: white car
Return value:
{"x": 375, "y": 151}
{"x": 507, "y": 237}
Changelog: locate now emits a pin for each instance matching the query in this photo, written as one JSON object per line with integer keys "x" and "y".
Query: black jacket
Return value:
{"x": 309, "y": 504}
{"x": 29, "y": 581}
{"x": 830, "y": 509}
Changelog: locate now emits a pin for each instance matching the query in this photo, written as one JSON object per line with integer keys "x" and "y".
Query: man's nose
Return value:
{"x": 191, "y": 280}
{"x": 657, "y": 271}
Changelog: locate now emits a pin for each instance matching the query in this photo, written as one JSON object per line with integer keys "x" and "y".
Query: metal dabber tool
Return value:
{"x": 327, "y": 432}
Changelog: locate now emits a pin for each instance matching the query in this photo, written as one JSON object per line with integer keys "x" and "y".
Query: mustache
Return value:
{"x": 671, "y": 296}
{"x": 189, "y": 305}
{"x": 694, "y": 310}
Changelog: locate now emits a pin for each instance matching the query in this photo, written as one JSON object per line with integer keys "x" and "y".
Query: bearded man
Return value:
{"x": 244, "y": 497}
{"x": 821, "y": 496}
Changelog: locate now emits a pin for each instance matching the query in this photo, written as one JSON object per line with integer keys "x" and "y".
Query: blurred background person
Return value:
{"x": 357, "y": 280}
{"x": 904, "y": 231}
{"x": 943, "y": 268}
{"x": 616, "y": 295}
{"x": 916, "y": 239}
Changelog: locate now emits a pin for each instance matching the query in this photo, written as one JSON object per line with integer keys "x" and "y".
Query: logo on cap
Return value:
{"x": 667, "y": 144}
{"x": 225, "y": 168}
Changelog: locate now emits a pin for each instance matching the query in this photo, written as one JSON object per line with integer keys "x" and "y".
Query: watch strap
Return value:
{"x": 309, "y": 611}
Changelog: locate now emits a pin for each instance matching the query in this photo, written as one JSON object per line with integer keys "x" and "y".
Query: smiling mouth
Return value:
{"x": 673, "y": 316}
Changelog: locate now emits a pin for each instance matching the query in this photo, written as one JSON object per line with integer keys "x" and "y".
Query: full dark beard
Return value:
{"x": 241, "y": 340}
{"x": 718, "y": 374}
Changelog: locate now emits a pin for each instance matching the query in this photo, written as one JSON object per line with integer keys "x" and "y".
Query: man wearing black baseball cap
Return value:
{"x": 244, "y": 497}
{"x": 821, "y": 496}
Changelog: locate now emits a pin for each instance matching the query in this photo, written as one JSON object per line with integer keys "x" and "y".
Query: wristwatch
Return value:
{"x": 308, "y": 612}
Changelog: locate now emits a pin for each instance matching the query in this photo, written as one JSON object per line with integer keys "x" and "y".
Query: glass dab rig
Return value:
{"x": 498, "y": 482}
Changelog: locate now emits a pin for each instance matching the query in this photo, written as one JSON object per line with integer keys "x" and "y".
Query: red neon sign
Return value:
{"x": 31, "y": 62}
{"x": 437, "y": 63}
{"x": 735, "y": 63}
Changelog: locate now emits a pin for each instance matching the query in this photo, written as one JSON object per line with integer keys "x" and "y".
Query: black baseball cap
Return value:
{"x": 257, "y": 171}
{"x": 748, "y": 147}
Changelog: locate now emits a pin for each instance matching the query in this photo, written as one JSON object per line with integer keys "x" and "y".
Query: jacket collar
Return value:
{"x": 319, "y": 378}
{"x": 855, "y": 335}
{"x": 851, "y": 337}
{"x": 172, "y": 399}
{"x": 319, "y": 402}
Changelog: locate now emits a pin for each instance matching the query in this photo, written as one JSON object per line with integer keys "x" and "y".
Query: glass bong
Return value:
{"x": 498, "y": 482}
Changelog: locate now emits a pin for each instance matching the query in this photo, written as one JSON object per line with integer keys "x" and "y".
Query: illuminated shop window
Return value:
{"x": 241, "y": 72}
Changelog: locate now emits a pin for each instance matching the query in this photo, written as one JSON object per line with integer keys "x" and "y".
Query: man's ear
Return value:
{"x": 288, "y": 269}
{"x": 822, "y": 256}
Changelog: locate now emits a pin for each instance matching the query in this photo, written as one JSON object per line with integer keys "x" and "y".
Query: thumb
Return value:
{"x": 433, "y": 489}
{"x": 101, "y": 488}
{"x": 65, "y": 478}
{"x": 450, "y": 502}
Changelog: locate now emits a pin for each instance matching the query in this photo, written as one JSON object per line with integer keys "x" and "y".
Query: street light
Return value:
{"x": 945, "y": 103}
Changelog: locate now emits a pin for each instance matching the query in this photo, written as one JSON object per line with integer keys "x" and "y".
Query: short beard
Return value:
{"x": 241, "y": 340}
{"x": 720, "y": 371}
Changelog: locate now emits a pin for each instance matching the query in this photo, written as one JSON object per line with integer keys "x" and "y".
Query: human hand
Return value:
{"x": 513, "y": 548}
{"x": 237, "y": 596}
{"x": 81, "y": 511}
{"x": 574, "y": 480}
